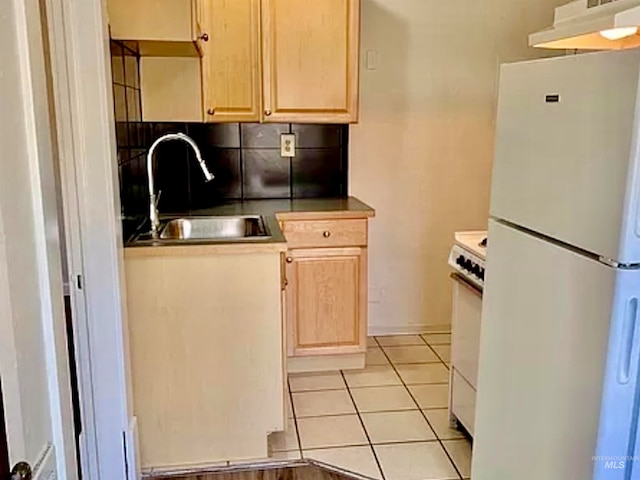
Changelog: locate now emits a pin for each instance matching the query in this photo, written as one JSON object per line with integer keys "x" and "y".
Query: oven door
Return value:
{"x": 465, "y": 328}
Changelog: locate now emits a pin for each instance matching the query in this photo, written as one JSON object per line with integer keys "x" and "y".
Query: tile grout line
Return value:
{"x": 431, "y": 362}
{"x": 351, "y": 445}
{"x": 455, "y": 467}
{"x": 382, "y": 347}
{"x": 364, "y": 428}
{"x": 434, "y": 351}
{"x": 316, "y": 390}
{"x": 376, "y": 411}
{"x": 242, "y": 174}
{"x": 362, "y": 387}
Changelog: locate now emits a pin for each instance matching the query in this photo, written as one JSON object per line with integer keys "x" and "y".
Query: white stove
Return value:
{"x": 468, "y": 256}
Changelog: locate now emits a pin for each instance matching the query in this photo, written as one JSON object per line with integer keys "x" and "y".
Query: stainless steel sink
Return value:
{"x": 215, "y": 228}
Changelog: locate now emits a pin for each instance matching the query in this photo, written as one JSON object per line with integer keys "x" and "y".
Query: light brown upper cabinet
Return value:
{"x": 310, "y": 55}
{"x": 231, "y": 84}
{"x": 261, "y": 60}
{"x": 161, "y": 27}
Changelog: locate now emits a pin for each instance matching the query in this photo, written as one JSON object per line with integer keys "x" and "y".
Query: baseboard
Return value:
{"x": 381, "y": 330}
{"x": 323, "y": 363}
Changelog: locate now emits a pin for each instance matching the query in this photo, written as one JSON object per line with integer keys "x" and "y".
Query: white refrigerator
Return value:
{"x": 558, "y": 389}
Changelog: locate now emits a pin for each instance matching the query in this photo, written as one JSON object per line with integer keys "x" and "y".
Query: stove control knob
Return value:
{"x": 475, "y": 269}
{"x": 468, "y": 264}
{"x": 481, "y": 274}
{"x": 460, "y": 260}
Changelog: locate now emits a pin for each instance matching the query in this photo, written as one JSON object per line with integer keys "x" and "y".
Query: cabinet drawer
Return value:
{"x": 463, "y": 401}
{"x": 325, "y": 233}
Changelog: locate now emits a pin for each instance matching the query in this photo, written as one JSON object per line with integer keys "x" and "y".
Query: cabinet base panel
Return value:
{"x": 254, "y": 448}
{"x": 323, "y": 363}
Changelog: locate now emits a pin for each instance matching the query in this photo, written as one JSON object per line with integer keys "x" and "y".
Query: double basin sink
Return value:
{"x": 223, "y": 229}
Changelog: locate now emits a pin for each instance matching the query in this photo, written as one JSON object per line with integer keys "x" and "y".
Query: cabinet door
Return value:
{"x": 231, "y": 60}
{"x": 155, "y": 20}
{"x": 170, "y": 89}
{"x": 326, "y": 301}
{"x": 310, "y": 54}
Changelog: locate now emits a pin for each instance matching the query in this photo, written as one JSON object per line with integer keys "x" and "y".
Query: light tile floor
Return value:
{"x": 388, "y": 421}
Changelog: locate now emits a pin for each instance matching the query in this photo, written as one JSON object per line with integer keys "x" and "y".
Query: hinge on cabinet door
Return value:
{"x": 79, "y": 282}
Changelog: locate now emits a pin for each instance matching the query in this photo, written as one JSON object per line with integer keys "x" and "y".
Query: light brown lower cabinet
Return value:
{"x": 325, "y": 300}
{"x": 326, "y": 295}
{"x": 207, "y": 357}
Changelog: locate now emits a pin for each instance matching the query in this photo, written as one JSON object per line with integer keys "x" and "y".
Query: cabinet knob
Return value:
{"x": 326, "y": 234}
{"x": 267, "y": 113}
{"x": 289, "y": 259}
{"x": 211, "y": 111}
{"x": 204, "y": 37}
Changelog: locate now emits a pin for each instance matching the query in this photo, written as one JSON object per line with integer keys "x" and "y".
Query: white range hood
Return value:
{"x": 592, "y": 25}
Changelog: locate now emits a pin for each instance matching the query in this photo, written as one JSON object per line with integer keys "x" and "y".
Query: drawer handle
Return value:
{"x": 289, "y": 259}
{"x": 211, "y": 111}
{"x": 326, "y": 234}
{"x": 204, "y": 37}
{"x": 267, "y": 113}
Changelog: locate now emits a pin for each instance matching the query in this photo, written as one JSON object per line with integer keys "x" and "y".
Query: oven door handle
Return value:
{"x": 463, "y": 281}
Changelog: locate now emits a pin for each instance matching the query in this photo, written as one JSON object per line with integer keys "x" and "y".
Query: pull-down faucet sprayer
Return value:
{"x": 153, "y": 199}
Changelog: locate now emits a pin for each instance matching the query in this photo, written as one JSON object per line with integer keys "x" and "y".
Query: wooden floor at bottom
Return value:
{"x": 294, "y": 472}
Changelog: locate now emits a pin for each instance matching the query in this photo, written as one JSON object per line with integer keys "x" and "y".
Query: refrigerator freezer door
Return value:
{"x": 566, "y": 151}
{"x": 543, "y": 343}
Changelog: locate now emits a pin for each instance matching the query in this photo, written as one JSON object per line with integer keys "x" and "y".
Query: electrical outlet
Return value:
{"x": 372, "y": 60}
{"x": 376, "y": 295}
{"x": 287, "y": 145}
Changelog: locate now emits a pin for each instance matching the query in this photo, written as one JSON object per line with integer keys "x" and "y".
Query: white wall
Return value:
{"x": 422, "y": 152}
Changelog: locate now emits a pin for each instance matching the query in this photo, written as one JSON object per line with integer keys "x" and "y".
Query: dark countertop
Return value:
{"x": 301, "y": 209}
{"x": 272, "y": 211}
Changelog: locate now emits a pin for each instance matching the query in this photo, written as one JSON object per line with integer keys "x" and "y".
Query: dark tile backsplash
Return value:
{"x": 266, "y": 174}
{"x": 225, "y": 135}
{"x": 319, "y": 136}
{"x": 226, "y": 166}
{"x": 244, "y": 158}
{"x": 318, "y": 172}
{"x": 258, "y": 135}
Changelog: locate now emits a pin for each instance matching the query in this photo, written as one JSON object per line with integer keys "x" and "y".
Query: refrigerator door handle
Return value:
{"x": 627, "y": 341}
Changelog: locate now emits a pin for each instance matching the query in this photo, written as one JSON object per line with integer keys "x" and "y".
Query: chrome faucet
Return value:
{"x": 153, "y": 199}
